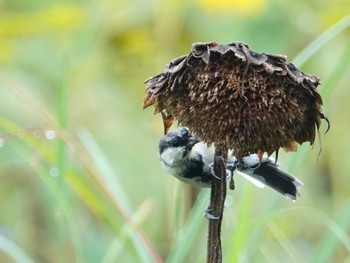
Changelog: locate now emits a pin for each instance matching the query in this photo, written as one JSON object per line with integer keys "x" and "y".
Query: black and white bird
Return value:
{"x": 190, "y": 160}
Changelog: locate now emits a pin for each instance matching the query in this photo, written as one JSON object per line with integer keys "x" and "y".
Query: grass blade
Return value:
{"x": 110, "y": 183}
{"x": 319, "y": 42}
{"x": 336, "y": 234}
{"x": 185, "y": 241}
{"x": 12, "y": 250}
{"x": 108, "y": 176}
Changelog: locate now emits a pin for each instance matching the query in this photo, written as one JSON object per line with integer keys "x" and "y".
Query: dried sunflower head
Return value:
{"x": 229, "y": 95}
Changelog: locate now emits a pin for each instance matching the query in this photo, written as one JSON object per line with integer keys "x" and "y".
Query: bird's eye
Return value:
{"x": 176, "y": 143}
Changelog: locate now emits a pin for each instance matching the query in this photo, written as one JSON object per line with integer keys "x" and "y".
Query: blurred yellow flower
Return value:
{"x": 56, "y": 18}
{"x": 6, "y": 50}
{"x": 245, "y": 7}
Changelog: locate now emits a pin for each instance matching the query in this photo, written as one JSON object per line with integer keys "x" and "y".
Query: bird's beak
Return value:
{"x": 192, "y": 141}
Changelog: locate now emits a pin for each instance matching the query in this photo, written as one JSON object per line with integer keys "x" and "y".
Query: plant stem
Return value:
{"x": 216, "y": 207}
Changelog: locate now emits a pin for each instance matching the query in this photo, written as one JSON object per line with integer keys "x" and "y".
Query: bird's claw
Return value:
{"x": 229, "y": 170}
{"x": 211, "y": 170}
{"x": 208, "y": 215}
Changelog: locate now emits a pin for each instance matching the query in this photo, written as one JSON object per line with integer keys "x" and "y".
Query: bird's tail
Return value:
{"x": 268, "y": 173}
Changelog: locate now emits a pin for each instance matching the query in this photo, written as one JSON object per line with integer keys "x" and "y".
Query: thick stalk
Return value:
{"x": 216, "y": 207}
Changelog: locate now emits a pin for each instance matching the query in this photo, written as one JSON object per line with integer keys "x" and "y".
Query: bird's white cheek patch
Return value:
{"x": 169, "y": 156}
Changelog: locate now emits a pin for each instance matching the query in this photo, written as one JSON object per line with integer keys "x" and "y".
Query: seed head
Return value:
{"x": 246, "y": 101}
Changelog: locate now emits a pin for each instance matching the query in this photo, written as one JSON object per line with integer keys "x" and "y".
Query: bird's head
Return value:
{"x": 181, "y": 140}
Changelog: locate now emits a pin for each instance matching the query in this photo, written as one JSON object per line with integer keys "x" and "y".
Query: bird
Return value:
{"x": 190, "y": 160}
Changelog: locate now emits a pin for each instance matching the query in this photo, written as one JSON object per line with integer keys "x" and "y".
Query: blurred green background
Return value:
{"x": 80, "y": 179}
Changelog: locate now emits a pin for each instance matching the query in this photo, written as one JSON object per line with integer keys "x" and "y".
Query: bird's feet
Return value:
{"x": 208, "y": 215}
{"x": 229, "y": 170}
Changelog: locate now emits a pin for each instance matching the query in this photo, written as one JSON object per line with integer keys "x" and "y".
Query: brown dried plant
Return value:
{"x": 246, "y": 101}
